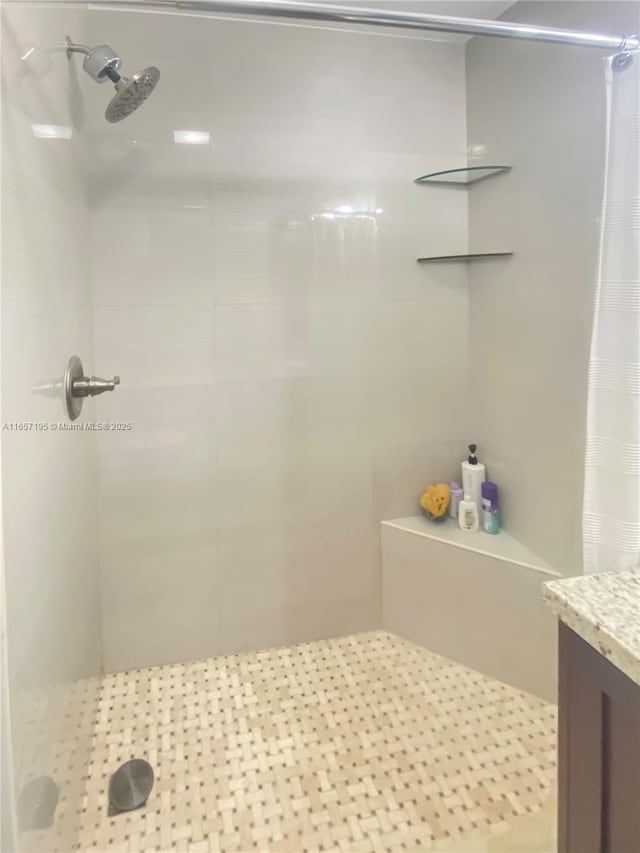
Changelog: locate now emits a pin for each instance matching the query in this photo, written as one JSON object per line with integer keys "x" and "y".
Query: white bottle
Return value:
{"x": 473, "y": 476}
{"x": 468, "y": 514}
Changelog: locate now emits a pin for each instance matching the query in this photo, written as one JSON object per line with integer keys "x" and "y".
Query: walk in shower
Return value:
{"x": 195, "y": 573}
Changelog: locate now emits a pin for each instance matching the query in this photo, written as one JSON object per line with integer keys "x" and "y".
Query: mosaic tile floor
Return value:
{"x": 363, "y": 743}
{"x": 54, "y": 728}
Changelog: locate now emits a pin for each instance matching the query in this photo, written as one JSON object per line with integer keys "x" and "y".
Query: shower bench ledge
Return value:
{"x": 502, "y": 546}
{"x": 472, "y": 597}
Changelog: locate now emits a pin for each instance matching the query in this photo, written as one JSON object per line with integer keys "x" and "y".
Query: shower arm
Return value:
{"x": 72, "y": 47}
{"x": 380, "y": 17}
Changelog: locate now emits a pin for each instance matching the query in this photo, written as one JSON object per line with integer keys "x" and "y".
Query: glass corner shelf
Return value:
{"x": 465, "y": 176}
{"x": 470, "y": 256}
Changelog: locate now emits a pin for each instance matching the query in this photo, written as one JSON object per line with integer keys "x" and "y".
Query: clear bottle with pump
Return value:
{"x": 468, "y": 514}
{"x": 473, "y": 476}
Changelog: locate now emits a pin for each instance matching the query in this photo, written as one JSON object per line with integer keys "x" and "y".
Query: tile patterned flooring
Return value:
{"x": 53, "y": 729}
{"x": 362, "y": 743}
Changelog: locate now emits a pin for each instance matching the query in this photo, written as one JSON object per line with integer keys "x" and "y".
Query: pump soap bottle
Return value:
{"x": 473, "y": 476}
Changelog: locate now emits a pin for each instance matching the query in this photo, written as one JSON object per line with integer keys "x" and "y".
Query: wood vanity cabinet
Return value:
{"x": 598, "y": 752}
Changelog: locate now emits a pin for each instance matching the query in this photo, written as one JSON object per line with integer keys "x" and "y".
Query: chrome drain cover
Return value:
{"x": 130, "y": 786}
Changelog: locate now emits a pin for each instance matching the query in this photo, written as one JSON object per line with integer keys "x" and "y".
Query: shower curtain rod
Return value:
{"x": 382, "y": 18}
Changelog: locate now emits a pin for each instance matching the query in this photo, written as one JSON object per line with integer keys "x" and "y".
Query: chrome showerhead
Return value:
{"x": 102, "y": 63}
{"x": 131, "y": 93}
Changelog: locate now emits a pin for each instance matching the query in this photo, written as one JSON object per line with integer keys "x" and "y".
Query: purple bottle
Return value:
{"x": 455, "y": 496}
{"x": 489, "y": 501}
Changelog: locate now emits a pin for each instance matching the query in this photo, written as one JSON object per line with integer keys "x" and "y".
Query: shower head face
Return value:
{"x": 131, "y": 93}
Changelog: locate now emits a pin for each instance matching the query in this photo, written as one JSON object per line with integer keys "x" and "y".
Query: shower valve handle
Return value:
{"x": 90, "y": 386}
{"x": 77, "y": 386}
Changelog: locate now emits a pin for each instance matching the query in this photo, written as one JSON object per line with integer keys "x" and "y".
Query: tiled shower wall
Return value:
{"x": 541, "y": 109}
{"x": 48, "y": 476}
{"x": 290, "y": 372}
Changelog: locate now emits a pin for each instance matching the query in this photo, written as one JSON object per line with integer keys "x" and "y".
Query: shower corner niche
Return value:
{"x": 469, "y": 256}
{"x": 463, "y": 177}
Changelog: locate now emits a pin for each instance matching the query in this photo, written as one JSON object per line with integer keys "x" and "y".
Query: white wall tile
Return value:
{"x": 263, "y": 571}
{"x": 531, "y": 315}
{"x": 278, "y": 264}
{"x": 427, "y": 333}
{"x": 321, "y": 488}
{"x": 157, "y": 610}
{"x": 402, "y": 470}
{"x": 304, "y": 418}
{"x": 157, "y": 364}
{"x": 49, "y": 478}
{"x": 152, "y": 263}
{"x": 135, "y": 325}
{"x": 411, "y": 403}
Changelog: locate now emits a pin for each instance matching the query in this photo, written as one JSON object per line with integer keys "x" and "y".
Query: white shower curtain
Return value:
{"x": 611, "y": 520}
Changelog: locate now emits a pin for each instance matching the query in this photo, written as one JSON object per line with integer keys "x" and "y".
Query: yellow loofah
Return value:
{"x": 435, "y": 499}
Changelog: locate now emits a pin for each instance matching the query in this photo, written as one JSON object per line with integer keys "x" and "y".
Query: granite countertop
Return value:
{"x": 605, "y": 611}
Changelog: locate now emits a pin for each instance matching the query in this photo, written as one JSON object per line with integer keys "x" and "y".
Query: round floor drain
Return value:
{"x": 37, "y": 803}
{"x": 130, "y": 786}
